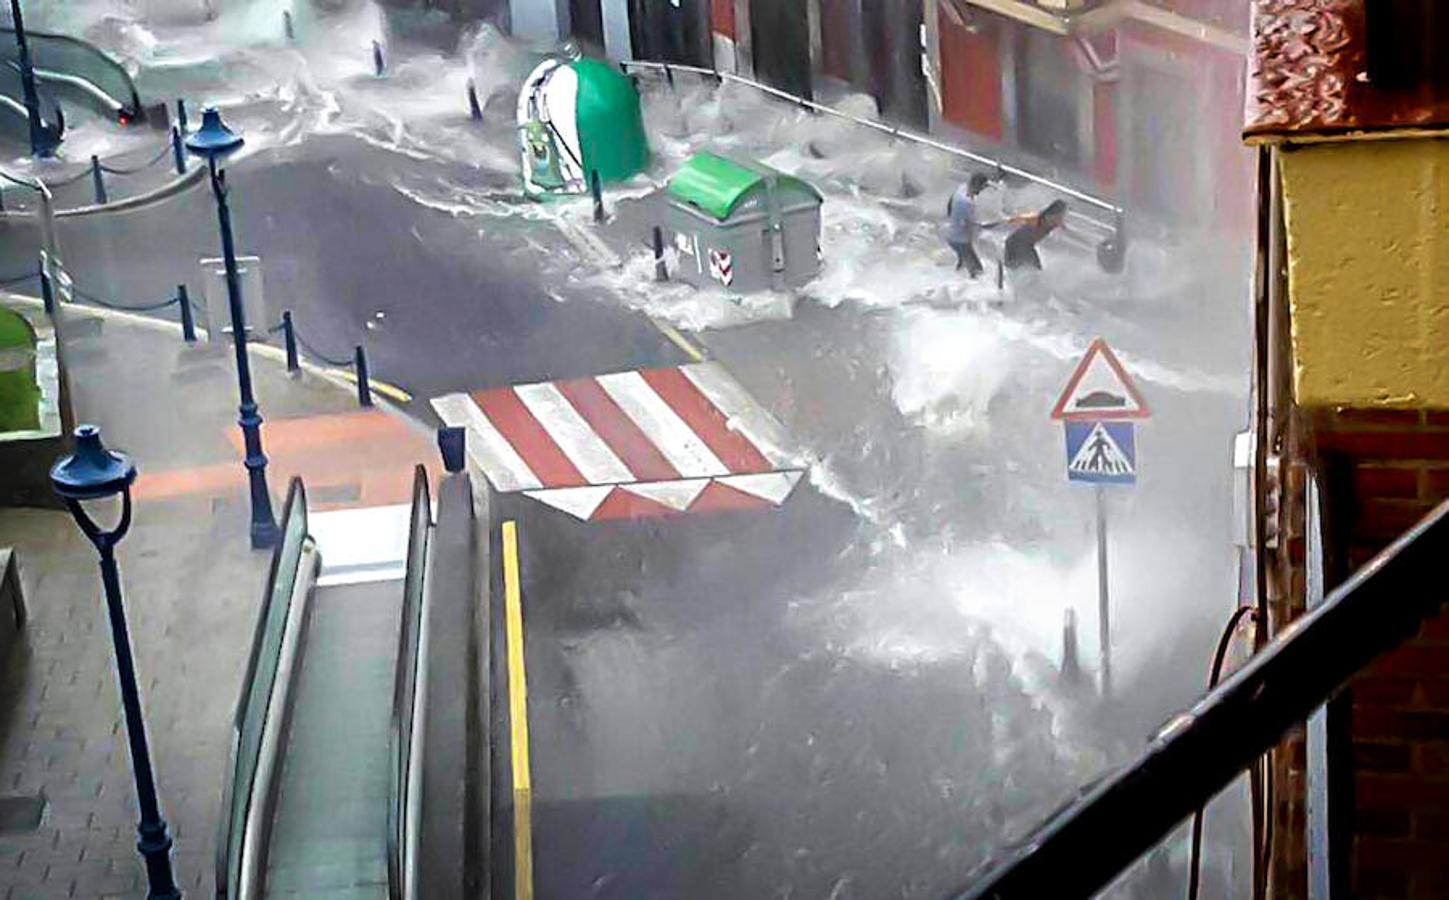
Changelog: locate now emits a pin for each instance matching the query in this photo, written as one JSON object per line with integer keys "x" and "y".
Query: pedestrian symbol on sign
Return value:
{"x": 1101, "y": 452}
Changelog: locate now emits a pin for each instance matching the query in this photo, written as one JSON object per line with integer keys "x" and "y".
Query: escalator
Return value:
{"x": 75, "y": 72}
{"x": 328, "y": 774}
{"x": 14, "y": 118}
{"x": 329, "y": 829}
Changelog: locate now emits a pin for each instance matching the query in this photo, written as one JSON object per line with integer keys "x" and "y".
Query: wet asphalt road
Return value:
{"x": 463, "y": 303}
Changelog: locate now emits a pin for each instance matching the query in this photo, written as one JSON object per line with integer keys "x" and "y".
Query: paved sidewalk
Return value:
{"x": 192, "y": 588}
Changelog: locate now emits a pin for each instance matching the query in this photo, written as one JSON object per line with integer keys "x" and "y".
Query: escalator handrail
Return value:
{"x": 286, "y": 563}
{"x": 131, "y": 103}
{"x": 405, "y": 686}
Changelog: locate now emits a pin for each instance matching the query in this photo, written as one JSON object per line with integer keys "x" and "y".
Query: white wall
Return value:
{"x": 617, "y": 44}
{"x": 545, "y": 21}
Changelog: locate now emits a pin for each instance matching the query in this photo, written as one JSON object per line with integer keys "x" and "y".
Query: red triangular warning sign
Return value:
{"x": 1100, "y": 389}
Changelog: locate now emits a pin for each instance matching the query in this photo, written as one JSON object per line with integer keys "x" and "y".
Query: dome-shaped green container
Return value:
{"x": 577, "y": 117}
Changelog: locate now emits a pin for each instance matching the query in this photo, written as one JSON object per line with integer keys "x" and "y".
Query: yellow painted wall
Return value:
{"x": 1368, "y": 269}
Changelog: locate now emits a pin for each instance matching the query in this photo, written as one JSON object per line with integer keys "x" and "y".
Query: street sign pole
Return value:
{"x": 1098, "y": 410}
{"x": 1104, "y": 623}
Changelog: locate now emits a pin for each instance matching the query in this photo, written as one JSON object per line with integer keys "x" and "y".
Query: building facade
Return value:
{"x": 1350, "y": 118}
{"x": 1127, "y": 99}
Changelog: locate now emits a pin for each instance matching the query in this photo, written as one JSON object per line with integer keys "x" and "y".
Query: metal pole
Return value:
{"x": 181, "y": 113}
{"x": 98, "y": 180}
{"x": 188, "y": 324}
{"x": 39, "y": 142}
{"x": 1104, "y": 620}
{"x": 475, "y": 108}
{"x": 287, "y": 27}
{"x": 364, "y": 387}
{"x": 377, "y": 61}
{"x": 155, "y": 842}
{"x": 661, "y": 268}
{"x": 177, "y": 152}
{"x": 48, "y": 233}
{"x": 264, "y": 524}
{"x": 289, "y": 337}
{"x": 47, "y": 290}
{"x": 596, "y": 187}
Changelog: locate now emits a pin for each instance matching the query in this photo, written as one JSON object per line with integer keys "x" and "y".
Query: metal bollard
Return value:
{"x": 1071, "y": 670}
{"x": 47, "y": 292}
{"x": 2, "y": 198}
{"x": 287, "y": 28}
{"x": 452, "y": 441}
{"x": 597, "y": 189}
{"x": 289, "y": 338}
{"x": 188, "y": 324}
{"x": 178, "y": 153}
{"x": 181, "y": 114}
{"x": 377, "y": 60}
{"x": 661, "y": 268}
{"x": 1112, "y": 252}
{"x": 475, "y": 109}
{"x": 364, "y": 387}
{"x": 669, "y": 76}
{"x": 98, "y": 180}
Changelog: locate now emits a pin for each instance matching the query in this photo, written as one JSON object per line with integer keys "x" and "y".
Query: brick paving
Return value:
{"x": 192, "y": 589}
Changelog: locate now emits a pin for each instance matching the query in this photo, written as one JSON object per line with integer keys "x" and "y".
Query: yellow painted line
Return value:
{"x": 390, "y": 391}
{"x": 678, "y": 340}
{"x": 518, "y": 719}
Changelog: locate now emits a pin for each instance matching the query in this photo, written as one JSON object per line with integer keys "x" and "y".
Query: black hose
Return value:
{"x": 1194, "y": 869}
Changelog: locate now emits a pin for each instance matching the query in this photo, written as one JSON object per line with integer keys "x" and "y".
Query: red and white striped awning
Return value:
{"x": 649, "y": 442}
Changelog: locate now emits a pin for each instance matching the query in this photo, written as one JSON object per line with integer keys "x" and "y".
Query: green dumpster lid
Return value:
{"x": 717, "y": 185}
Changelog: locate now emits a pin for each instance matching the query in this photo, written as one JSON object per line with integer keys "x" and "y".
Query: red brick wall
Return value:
{"x": 1399, "y": 462}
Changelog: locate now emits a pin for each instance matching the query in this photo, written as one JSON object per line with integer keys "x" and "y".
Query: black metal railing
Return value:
{"x": 405, "y": 691}
{"x": 241, "y": 791}
{"x": 1089, "y": 842}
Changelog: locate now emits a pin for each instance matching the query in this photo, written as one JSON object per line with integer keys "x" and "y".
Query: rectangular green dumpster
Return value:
{"x": 742, "y": 225}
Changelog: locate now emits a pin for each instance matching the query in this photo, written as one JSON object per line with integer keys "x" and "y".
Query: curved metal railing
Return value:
{"x": 893, "y": 131}
{"x": 14, "y": 118}
{"x": 406, "y": 700}
{"x": 81, "y": 68}
{"x": 246, "y": 790}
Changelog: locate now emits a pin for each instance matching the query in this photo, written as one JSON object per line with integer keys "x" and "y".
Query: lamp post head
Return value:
{"x": 92, "y": 472}
{"x": 213, "y": 139}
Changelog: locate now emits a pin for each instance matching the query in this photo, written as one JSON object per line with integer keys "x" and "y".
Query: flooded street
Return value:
{"x": 854, "y": 694}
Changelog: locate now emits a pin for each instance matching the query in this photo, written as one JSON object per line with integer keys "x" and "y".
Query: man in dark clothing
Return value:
{"x": 1020, "y": 251}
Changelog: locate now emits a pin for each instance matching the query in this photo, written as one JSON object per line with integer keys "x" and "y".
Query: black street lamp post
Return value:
{"x": 214, "y": 140}
{"x": 39, "y": 141}
{"x": 95, "y": 473}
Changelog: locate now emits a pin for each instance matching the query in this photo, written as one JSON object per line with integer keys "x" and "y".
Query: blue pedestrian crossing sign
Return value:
{"x": 1101, "y": 452}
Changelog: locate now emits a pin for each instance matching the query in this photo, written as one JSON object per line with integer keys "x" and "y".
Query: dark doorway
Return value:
{"x": 840, "y": 40}
{"x": 1049, "y": 88}
{"x": 893, "y": 42}
{"x": 780, "y": 36}
{"x": 665, "y": 32}
{"x": 587, "y": 17}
